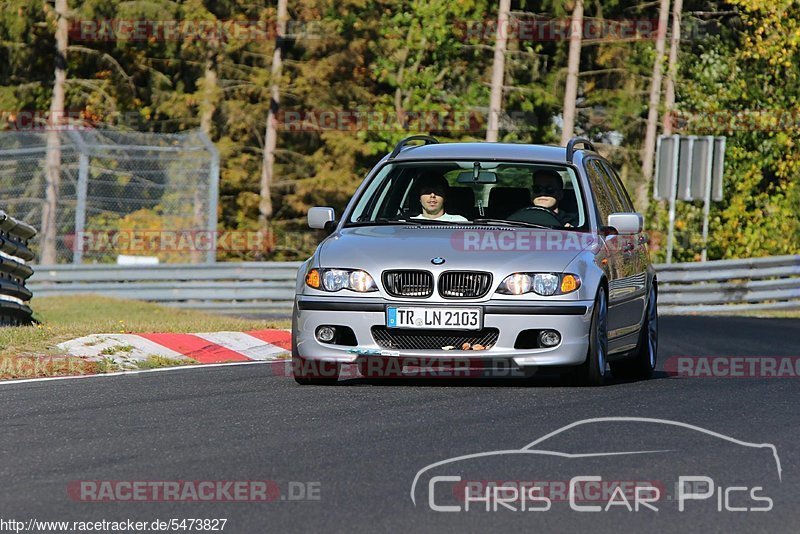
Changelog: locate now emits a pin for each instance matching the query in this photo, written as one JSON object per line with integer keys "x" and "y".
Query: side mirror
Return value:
{"x": 626, "y": 223}
{"x": 320, "y": 217}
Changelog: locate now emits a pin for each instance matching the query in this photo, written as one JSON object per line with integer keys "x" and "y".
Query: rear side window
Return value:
{"x": 603, "y": 197}
{"x": 616, "y": 183}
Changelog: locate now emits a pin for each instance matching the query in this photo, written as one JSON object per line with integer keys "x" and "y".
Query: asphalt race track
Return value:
{"x": 356, "y": 448}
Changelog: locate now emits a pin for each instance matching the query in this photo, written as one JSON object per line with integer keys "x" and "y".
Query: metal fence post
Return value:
{"x": 707, "y": 197}
{"x": 80, "y": 207}
{"x": 672, "y": 198}
{"x": 213, "y": 194}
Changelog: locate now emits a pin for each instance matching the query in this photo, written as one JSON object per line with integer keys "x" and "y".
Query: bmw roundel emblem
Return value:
{"x": 438, "y": 260}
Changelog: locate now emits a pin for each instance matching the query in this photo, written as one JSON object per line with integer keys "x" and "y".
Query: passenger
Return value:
{"x": 547, "y": 192}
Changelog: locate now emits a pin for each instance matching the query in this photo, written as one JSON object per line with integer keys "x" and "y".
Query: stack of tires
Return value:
{"x": 14, "y": 271}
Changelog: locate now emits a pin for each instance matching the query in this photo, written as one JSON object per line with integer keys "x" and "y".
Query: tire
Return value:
{"x": 313, "y": 372}
{"x": 592, "y": 372}
{"x": 642, "y": 362}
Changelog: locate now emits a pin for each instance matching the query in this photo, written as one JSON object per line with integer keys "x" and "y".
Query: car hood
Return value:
{"x": 377, "y": 248}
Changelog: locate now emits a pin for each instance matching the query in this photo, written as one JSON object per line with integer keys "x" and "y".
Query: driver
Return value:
{"x": 432, "y": 192}
{"x": 547, "y": 192}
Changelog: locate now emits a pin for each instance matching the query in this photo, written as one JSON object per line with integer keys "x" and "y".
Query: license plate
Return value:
{"x": 436, "y": 318}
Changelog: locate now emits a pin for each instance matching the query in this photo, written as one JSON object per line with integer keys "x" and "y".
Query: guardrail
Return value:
{"x": 771, "y": 283}
{"x": 244, "y": 288}
{"x": 268, "y": 287}
{"x": 14, "y": 271}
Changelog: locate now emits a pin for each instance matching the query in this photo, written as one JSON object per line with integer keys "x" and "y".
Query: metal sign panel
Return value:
{"x": 691, "y": 160}
{"x": 685, "y": 156}
{"x": 702, "y": 159}
{"x": 718, "y": 168}
{"x": 666, "y": 167}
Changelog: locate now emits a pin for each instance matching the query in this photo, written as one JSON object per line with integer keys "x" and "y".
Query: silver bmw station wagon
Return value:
{"x": 484, "y": 256}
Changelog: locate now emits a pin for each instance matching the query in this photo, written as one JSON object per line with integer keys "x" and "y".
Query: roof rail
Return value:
{"x": 577, "y": 141}
{"x": 428, "y": 141}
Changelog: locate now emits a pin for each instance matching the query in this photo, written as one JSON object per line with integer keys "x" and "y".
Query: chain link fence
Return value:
{"x": 114, "y": 190}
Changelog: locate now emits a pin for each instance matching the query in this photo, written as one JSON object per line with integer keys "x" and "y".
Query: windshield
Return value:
{"x": 470, "y": 192}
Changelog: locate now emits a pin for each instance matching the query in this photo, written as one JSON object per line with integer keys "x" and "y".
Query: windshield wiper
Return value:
{"x": 511, "y": 223}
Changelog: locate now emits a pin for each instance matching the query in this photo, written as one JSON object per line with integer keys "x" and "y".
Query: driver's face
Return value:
{"x": 547, "y": 191}
{"x": 432, "y": 203}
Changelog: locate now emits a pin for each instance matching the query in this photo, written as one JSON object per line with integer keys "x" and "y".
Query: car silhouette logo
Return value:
{"x": 536, "y": 449}
{"x": 438, "y": 260}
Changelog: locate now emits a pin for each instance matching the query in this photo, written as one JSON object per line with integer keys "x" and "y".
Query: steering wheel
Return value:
{"x": 406, "y": 213}
{"x": 535, "y": 215}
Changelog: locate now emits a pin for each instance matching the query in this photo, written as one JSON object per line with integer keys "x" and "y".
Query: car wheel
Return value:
{"x": 642, "y": 363}
{"x": 313, "y": 372}
{"x": 593, "y": 371}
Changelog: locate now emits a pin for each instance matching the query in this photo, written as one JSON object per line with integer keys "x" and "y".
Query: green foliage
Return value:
{"x": 408, "y": 60}
{"x": 744, "y": 86}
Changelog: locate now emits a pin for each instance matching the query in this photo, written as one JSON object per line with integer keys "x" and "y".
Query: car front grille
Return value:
{"x": 464, "y": 284}
{"x": 390, "y": 338}
{"x": 408, "y": 283}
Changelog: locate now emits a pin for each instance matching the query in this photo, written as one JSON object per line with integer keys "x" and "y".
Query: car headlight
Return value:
{"x": 545, "y": 284}
{"x": 337, "y": 279}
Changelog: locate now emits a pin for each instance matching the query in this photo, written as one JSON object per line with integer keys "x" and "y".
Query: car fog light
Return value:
{"x": 549, "y": 338}
{"x": 326, "y": 334}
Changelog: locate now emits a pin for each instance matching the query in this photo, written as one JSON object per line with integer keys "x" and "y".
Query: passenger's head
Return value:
{"x": 432, "y": 190}
{"x": 548, "y": 189}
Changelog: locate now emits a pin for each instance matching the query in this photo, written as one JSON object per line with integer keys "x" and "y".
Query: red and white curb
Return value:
{"x": 207, "y": 348}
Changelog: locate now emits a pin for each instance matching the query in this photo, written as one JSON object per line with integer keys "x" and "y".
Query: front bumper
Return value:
{"x": 571, "y": 319}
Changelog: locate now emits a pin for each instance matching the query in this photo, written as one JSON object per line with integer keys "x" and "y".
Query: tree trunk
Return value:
{"x": 672, "y": 70}
{"x": 270, "y": 136}
{"x": 498, "y": 71}
{"x": 209, "y": 102}
{"x": 53, "y": 159}
{"x": 573, "y": 68}
{"x": 648, "y": 152}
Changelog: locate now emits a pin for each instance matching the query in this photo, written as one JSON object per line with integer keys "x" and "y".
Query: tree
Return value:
{"x": 672, "y": 70}
{"x": 56, "y": 120}
{"x": 498, "y": 71}
{"x": 573, "y": 67}
{"x": 744, "y": 83}
{"x": 648, "y": 152}
{"x": 271, "y": 133}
